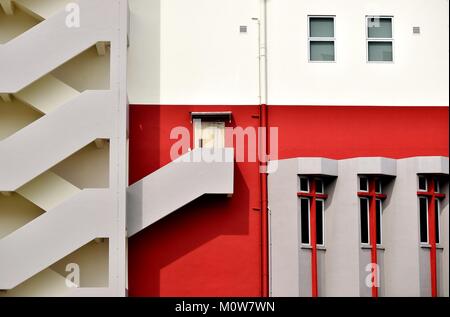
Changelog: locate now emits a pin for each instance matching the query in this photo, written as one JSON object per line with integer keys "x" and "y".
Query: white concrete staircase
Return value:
{"x": 178, "y": 183}
{"x": 47, "y": 239}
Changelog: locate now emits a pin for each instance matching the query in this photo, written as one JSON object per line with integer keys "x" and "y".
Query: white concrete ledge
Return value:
{"x": 317, "y": 166}
{"x": 432, "y": 164}
{"x": 376, "y": 165}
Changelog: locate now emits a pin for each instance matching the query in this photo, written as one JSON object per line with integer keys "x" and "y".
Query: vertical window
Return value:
{"x": 312, "y": 192}
{"x": 378, "y": 186}
{"x": 423, "y": 206}
{"x": 321, "y": 38}
{"x": 379, "y": 39}
{"x": 304, "y": 211}
{"x": 437, "y": 217}
{"x": 209, "y": 133}
{"x": 304, "y": 184}
{"x": 379, "y": 220}
{"x": 363, "y": 184}
{"x": 320, "y": 222}
{"x": 423, "y": 183}
{"x": 364, "y": 211}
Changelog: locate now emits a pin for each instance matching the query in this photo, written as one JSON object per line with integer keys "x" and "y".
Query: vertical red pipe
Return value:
{"x": 264, "y": 149}
{"x": 313, "y": 222}
{"x": 432, "y": 237}
{"x": 373, "y": 235}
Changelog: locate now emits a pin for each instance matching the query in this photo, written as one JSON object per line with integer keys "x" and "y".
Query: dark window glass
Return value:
{"x": 319, "y": 222}
{"x": 363, "y": 184}
{"x": 423, "y": 204}
{"x": 436, "y": 208}
{"x": 364, "y": 209}
{"x": 304, "y": 184}
{"x": 378, "y": 186}
{"x": 319, "y": 186}
{"x": 422, "y": 183}
{"x": 304, "y": 210}
{"x": 436, "y": 185}
{"x": 379, "y": 219}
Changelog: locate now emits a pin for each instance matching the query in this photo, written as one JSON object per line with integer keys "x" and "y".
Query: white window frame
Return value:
{"x": 300, "y": 184}
{"x": 438, "y": 219}
{"x": 418, "y": 184}
{"x": 381, "y": 221}
{"x": 322, "y": 191}
{"x": 309, "y": 222}
{"x": 359, "y": 183}
{"x": 323, "y": 222}
{"x": 437, "y": 185}
{"x": 379, "y": 39}
{"x": 368, "y": 222}
{"x": 321, "y": 39}
{"x": 427, "y": 224}
{"x": 378, "y": 190}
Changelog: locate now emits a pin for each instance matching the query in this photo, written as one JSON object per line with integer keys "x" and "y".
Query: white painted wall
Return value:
{"x": 191, "y": 52}
{"x": 418, "y": 75}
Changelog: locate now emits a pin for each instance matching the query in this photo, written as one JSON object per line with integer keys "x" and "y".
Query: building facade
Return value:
{"x": 224, "y": 148}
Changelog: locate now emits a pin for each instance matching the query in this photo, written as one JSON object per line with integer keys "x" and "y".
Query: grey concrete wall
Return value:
{"x": 404, "y": 263}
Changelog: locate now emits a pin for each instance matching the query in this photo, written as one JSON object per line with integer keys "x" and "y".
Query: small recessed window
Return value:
{"x": 423, "y": 211}
{"x": 209, "y": 133}
{"x": 319, "y": 186}
{"x": 304, "y": 218}
{"x": 363, "y": 184}
{"x": 378, "y": 186}
{"x": 364, "y": 216}
{"x": 379, "y": 220}
{"x": 437, "y": 221}
{"x": 423, "y": 183}
{"x": 304, "y": 184}
{"x": 321, "y": 39}
{"x": 437, "y": 187}
{"x": 379, "y": 39}
{"x": 320, "y": 222}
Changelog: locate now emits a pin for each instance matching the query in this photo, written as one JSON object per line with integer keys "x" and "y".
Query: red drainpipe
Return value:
{"x": 264, "y": 149}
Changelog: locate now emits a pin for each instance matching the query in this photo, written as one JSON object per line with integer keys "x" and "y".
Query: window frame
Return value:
{"x": 321, "y": 39}
{"x": 323, "y": 222}
{"x": 322, "y": 188}
{"x": 200, "y": 121}
{"x": 427, "y": 225}
{"x": 309, "y": 222}
{"x": 367, "y": 200}
{"x": 437, "y": 211}
{"x": 379, "y": 39}
{"x": 367, "y": 183}
{"x": 300, "y": 184}
{"x": 418, "y": 183}
{"x": 381, "y": 221}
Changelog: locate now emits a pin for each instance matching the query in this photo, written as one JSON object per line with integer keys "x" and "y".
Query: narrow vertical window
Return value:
{"x": 379, "y": 39}
{"x": 423, "y": 183}
{"x": 304, "y": 184}
{"x": 379, "y": 218}
{"x": 320, "y": 222}
{"x": 364, "y": 211}
{"x": 363, "y": 184}
{"x": 423, "y": 206}
{"x": 437, "y": 217}
{"x": 304, "y": 211}
{"x": 321, "y": 39}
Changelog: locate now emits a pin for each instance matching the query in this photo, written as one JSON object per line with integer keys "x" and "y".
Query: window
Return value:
{"x": 304, "y": 206}
{"x": 371, "y": 205}
{"x": 364, "y": 211}
{"x": 312, "y": 193}
{"x": 379, "y": 39}
{"x": 209, "y": 133}
{"x": 321, "y": 39}
{"x": 423, "y": 205}
{"x": 429, "y": 213}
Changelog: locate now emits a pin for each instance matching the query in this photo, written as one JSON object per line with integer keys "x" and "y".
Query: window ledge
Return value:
{"x": 428, "y": 246}
{"x": 306, "y": 247}
{"x": 368, "y": 246}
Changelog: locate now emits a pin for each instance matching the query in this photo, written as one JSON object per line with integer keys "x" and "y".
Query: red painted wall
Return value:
{"x": 211, "y": 247}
